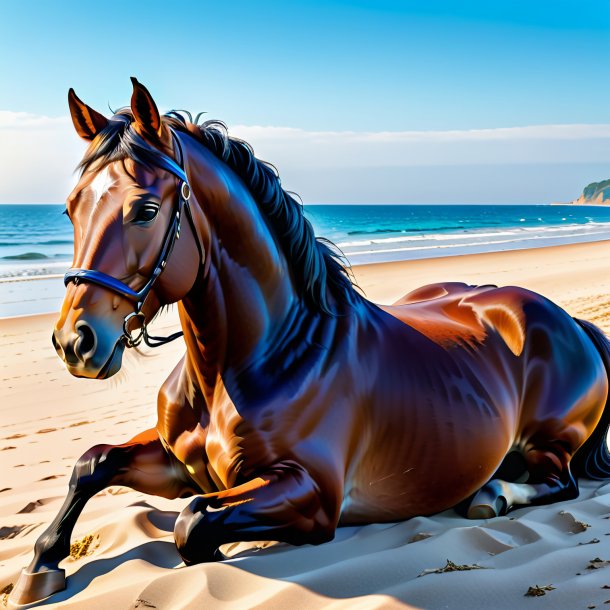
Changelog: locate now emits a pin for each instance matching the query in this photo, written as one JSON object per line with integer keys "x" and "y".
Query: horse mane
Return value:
{"x": 318, "y": 267}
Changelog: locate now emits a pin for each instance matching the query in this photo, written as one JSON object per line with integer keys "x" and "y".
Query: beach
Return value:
{"x": 48, "y": 419}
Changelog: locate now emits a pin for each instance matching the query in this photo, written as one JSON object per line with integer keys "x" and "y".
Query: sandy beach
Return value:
{"x": 48, "y": 419}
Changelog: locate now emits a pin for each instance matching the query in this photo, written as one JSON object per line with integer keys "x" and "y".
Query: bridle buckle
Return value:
{"x": 130, "y": 340}
{"x": 185, "y": 191}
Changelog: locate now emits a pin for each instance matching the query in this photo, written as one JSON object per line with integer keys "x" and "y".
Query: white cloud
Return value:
{"x": 545, "y": 132}
{"x": 25, "y": 120}
{"x": 38, "y": 155}
{"x": 531, "y": 145}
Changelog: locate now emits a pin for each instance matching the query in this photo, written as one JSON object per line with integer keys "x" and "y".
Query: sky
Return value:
{"x": 429, "y": 101}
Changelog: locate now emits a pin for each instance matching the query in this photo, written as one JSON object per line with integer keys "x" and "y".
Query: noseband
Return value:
{"x": 172, "y": 234}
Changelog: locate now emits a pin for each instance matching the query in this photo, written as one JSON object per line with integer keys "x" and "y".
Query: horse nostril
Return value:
{"x": 86, "y": 342}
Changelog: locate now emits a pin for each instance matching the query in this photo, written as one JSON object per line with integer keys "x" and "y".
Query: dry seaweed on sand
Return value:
{"x": 537, "y": 591}
{"x": 85, "y": 546}
{"x": 450, "y": 566}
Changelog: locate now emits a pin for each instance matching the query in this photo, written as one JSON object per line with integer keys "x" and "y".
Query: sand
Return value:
{"x": 48, "y": 419}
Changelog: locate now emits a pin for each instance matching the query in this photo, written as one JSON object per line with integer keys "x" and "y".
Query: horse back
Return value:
{"x": 454, "y": 313}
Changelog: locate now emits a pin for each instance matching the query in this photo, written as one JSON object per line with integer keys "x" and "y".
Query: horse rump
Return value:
{"x": 592, "y": 460}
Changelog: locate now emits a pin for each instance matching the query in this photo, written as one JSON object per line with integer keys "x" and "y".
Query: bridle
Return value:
{"x": 172, "y": 234}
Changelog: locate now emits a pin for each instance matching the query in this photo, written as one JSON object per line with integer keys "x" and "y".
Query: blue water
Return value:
{"x": 376, "y": 233}
{"x": 37, "y": 239}
{"x": 34, "y": 240}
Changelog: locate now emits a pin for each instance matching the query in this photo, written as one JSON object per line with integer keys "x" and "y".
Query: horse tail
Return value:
{"x": 592, "y": 460}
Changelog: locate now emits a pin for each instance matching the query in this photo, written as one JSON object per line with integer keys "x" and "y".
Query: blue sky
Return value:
{"x": 424, "y": 66}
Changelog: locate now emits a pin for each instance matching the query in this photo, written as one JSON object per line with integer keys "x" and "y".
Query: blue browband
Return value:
{"x": 172, "y": 233}
{"x": 168, "y": 164}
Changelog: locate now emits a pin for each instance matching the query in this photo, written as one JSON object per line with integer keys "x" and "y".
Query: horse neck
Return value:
{"x": 246, "y": 296}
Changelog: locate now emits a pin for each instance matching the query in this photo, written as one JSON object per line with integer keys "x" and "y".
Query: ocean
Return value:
{"x": 378, "y": 233}
{"x": 37, "y": 240}
{"x": 34, "y": 240}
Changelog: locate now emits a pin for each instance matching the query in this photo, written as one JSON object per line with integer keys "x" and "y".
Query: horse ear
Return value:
{"x": 145, "y": 110}
{"x": 87, "y": 122}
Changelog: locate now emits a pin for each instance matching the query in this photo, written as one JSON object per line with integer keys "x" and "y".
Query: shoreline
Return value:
{"x": 582, "y": 205}
{"x": 364, "y": 233}
{"x": 27, "y": 278}
{"x": 476, "y": 268}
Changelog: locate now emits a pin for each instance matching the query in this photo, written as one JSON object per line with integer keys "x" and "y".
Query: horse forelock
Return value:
{"x": 317, "y": 265}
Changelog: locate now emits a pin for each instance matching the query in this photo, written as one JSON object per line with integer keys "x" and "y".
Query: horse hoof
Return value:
{"x": 482, "y": 508}
{"x": 482, "y": 511}
{"x": 33, "y": 587}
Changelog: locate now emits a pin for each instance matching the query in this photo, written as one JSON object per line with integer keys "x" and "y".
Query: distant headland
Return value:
{"x": 596, "y": 193}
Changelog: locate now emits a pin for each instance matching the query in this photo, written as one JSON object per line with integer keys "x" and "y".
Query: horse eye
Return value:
{"x": 147, "y": 212}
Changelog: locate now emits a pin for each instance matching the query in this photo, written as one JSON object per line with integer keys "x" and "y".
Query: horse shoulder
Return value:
{"x": 182, "y": 419}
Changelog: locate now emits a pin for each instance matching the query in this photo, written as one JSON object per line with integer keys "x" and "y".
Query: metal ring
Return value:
{"x": 185, "y": 191}
{"x": 130, "y": 340}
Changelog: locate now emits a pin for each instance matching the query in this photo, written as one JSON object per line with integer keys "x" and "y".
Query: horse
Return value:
{"x": 299, "y": 405}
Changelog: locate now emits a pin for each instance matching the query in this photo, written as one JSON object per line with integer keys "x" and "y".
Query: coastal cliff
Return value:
{"x": 595, "y": 193}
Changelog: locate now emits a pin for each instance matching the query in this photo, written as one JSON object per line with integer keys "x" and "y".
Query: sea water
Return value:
{"x": 37, "y": 239}
{"x": 34, "y": 240}
{"x": 377, "y": 233}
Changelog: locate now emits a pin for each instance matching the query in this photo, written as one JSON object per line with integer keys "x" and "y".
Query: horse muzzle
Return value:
{"x": 88, "y": 350}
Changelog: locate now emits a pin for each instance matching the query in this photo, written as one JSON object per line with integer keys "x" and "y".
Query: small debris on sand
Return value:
{"x": 537, "y": 591}
{"x": 452, "y": 567}
{"x": 5, "y": 593}
{"x": 420, "y": 536}
{"x": 84, "y": 547}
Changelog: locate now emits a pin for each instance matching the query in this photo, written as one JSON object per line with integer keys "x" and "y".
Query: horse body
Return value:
{"x": 488, "y": 372}
{"x": 416, "y": 389}
{"x": 300, "y": 405}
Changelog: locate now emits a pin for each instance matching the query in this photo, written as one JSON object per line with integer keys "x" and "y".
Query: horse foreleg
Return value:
{"x": 142, "y": 464}
{"x": 283, "y": 504}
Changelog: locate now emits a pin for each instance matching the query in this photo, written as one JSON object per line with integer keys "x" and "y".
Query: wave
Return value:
{"x": 28, "y": 256}
{"x": 57, "y": 242}
{"x": 524, "y": 238}
{"x": 425, "y": 237}
{"x": 365, "y": 232}
{"x": 50, "y": 242}
{"x": 589, "y": 228}
{"x": 409, "y": 230}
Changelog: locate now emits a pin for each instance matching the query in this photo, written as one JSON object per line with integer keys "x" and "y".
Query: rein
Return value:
{"x": 77, "y": 275}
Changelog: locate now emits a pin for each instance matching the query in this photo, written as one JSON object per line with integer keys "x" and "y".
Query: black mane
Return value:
{"x": 317, "y": 267}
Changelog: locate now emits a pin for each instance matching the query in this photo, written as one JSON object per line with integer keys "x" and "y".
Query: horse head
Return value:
{"x": 133, "y": 251}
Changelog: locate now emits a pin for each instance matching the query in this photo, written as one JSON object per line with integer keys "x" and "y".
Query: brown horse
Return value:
{"x": 300, "y": 405}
